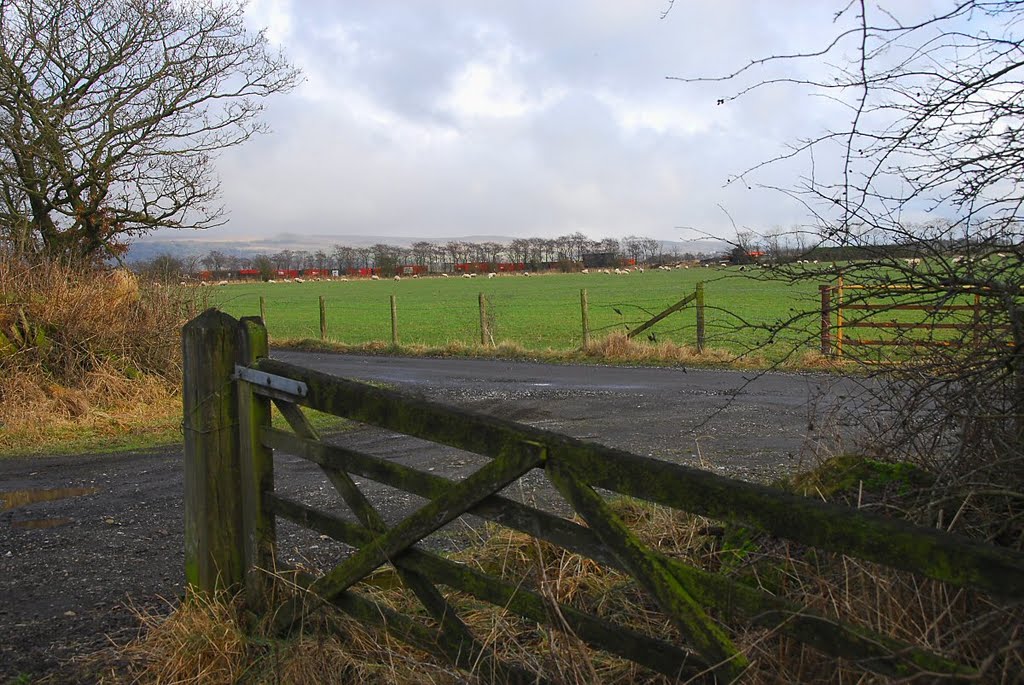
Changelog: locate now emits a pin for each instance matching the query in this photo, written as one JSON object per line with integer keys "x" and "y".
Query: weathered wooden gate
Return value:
{"x": 232, "y": 506}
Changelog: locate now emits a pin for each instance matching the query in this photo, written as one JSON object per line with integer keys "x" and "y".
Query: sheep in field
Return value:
{"x": 374, "y": 277}
{"x": 398, "y": 278}
{"x": 585, "y": 271}
{"x": 467, "y": 275}
{"x": 491, "y": 275}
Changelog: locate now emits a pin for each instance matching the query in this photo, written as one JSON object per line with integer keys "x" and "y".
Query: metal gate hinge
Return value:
{"x": 269, "y": 381}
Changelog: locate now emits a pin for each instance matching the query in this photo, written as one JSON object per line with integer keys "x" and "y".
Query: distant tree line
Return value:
{"x": 565, "y": 252}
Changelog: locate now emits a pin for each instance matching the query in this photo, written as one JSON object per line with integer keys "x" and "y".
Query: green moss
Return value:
{"x": 854, "y": 473}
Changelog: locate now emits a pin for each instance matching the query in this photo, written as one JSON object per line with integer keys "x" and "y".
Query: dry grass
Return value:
{"x": 615, "y": 348}
{"x": 205, "y": 641}
{"x": 86, "y": 355}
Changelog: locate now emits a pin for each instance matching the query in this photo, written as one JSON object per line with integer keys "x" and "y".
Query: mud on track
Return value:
{"x": 70, "y": 566}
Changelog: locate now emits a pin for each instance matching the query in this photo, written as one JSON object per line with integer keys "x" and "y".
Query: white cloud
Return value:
{"x": 527, "y": 118}
{"x": 273, "y": 15}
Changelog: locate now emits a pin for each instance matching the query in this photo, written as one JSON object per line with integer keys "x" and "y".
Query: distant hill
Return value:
{"x": 148, "y": 247}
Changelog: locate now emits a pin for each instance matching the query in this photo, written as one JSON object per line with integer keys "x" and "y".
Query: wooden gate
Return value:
{"x": 232, "y": 507}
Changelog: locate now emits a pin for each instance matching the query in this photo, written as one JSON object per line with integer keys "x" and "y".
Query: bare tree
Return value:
{"x": 215, "y": 260}
{"x": 925, "y": 200}
{"x": 111, "y": 112}
{"x": 519, "y": 250}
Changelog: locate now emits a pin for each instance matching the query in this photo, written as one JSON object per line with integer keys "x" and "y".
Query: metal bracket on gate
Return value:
{"x": 279, "y": 385}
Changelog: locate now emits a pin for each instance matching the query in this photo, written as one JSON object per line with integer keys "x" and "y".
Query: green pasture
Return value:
{"x": 539, "y": 312}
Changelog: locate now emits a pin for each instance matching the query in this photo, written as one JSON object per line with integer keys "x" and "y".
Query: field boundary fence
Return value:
{"x": 489, "y": 319}
{"x": 232, "y": 509}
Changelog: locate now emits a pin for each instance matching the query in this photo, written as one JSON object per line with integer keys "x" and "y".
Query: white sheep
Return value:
{"x": 398, "y": 278}
{"x": 222, "y": 282}
{"x": 374, "y": 277}
{"x": 491, "y": 275}
{"x": 299, "y": 280}
{"x": 526, "y": 273}
{"x": 585, "y": 271}
{"x": 444, "y": 275}
{"x": 467, "y": 275}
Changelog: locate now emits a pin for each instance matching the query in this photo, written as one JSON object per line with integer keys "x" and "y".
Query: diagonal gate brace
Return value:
{"x": 495, "y": 476}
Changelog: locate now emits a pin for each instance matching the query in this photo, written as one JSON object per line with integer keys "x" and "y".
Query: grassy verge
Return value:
{"x": 155, "y": 423}
{"x": 615, "y": 348}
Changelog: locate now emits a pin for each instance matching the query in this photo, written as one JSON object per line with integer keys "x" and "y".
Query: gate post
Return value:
{"x": 213, "y": 505}
{"x": 826, "y": 319}
{"x": 699, "y": 294}
{"x": 257, "y": 470}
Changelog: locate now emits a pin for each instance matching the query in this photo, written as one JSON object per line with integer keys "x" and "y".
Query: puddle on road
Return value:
{"x": 20, "y": 498}
{"x": 33, "y": 524}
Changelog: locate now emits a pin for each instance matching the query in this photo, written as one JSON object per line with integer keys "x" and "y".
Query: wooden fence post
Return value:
{"x": 323, "y": 319}
{"x": 585, "y": 311}
{"x": 213, "y": 504}
{"x": 826, "y": 319}
{"x": 839, "y": 316}
{"x": 257, "y": 471}
{"x": 699, "y": 302}
{"x": 263, "y": 310}
{"x": 394, "y": 322}
{"x": 485, "y": 329}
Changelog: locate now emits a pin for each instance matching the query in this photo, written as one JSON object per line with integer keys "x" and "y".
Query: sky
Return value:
{"x": 527, "y": 118}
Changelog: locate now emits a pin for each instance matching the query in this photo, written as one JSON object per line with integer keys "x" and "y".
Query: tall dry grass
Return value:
{"x": 86, "y": 350}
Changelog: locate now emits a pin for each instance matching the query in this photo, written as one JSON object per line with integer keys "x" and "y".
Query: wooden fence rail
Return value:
{"x": 576, "y": 469}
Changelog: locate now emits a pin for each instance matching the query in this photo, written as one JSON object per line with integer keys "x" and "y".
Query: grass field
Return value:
{"x": 537, "y": 313}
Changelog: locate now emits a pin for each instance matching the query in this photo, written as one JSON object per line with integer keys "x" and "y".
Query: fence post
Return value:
{"x": 213, "y": 505}
{"x": 700, "y": 316}
{"x": 826, "y": 319}
{"x": 485, "y": 332}
{"x": 323, "y": 319}
{"x": 257, "y": 471}
{"x": 585, "y": 312}
{"x": 263, "y": 310}
{"x": 394, "y": 322}
{"x": 839, "y": 316}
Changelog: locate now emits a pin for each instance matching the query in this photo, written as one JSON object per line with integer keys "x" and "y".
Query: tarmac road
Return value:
{"x": 70, "y": 567}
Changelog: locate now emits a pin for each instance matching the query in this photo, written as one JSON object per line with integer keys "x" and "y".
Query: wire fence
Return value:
{"x": 544, "y": 318}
